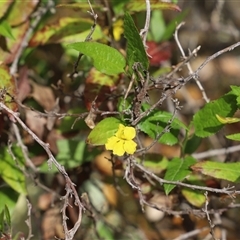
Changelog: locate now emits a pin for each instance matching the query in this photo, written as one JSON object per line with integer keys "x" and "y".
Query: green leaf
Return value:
{"x": 69, "y": 123}
{"x": 157, "y": 25}
{"x": 193, "y": 196}
{"x": 8, "y": 197}
{"x": 104, "y": 231}
{"x": 227, "y": 120}
{"x": 103, "y": 130}
{"x": 236, "y": 92}
{"x": 234, "y": 137}
{"x": 105, "y": 59}
{"x": 135, "y": 49}
{"x": 4, "y": 6}
{"x": 177, "y": 170}
{"x": 155, "y": 122}
{"x": 5, "y": 30}
{"x": 226, "y": 171}
{"x": 170, "y": 28}
{"x": 155, "y": 163}
{"x": 78, "y": 6}
{"x": 71, "y": 153}
{"x": 65, "y": 30}
{"x": 9, "y": 171}
{"x": 2, "y": 221}
{"x": 7, "y": 82}
{"x": 7, "y": 216}
{"x": 192, "y": 144}
{"x": 205, "y": 121}
{"x": 137, "y": 6}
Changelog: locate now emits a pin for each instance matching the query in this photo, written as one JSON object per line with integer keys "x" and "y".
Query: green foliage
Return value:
{"x": 106, "y": 59}
{"x": 226, "y": 171}
{"x": 192, "y": 144}
{"x": 8, "y": 197}
{"x": 155, "y": 123}
{"x": 5, "y": 30}
{"x": 177, "y": 170}
{"x": 10, "y": 169}
{"x": 71, "y": 154}
{"x": 5, "y": 221}
{"x": 205, "y": 120}
{"x": 135, "y": 49}
{"x": 101, "y": 85}
{"x": 103, "y": 130}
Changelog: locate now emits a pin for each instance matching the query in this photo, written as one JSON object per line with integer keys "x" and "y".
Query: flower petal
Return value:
{"x": 120, "y": 131}
{"x": 130, "y": 146}
{"x": 111, "y": 142}
{"x": 129, "y": 133}
{"x": 118, "y": 148}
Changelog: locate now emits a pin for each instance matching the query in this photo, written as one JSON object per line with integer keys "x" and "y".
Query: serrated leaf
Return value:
{"x": 135, "y": 49}
{"x": 9, "y": 171}
{"x": 205, "y": 121}
{"x": 152, "y": 129}
{"x": 177, "y": 170}
{"x": 5, "y": 30}
{"x": 236, "y": 92}
{"x": 105, "y": 59}
{"x": 137, "y": 6}
{"x": 103, "y": 130}
{"x": 226, "y": 171}
{"x": 155, "y": 122}
{"x": 234, "y": 137}
{"x": 192, "y": 144}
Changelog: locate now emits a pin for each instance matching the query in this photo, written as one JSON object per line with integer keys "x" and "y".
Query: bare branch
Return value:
{"x": 87, "y": 39}
{"x": 70, "y": 186}
{"x": 191, "y": 234}
{"x": 188, "y": 64}
{"x": 227, "y": 190}
{"x": 208, "y": 217}
{"x": 216, "y": 152}
{"x": 29, "y": 220}
{"x": 144, "y": 31}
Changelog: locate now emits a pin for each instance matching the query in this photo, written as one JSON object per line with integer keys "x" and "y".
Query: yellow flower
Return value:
{"x": 122, "y": 141}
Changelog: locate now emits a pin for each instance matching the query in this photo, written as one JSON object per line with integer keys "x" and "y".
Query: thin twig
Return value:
{"x": 191, "y": 234}
{"x": 188, "y": 64}
{"x": 227, "y": 190}
{"x": 70, "y": 186}
{"x": 23, "y": 148}
{"x": 208, "y": 216}
{"x": 29, "y": 221}
{"x": 87, "y": 39}
{"x": 144, "y": 31}
{"x": 216, "y": 152}
{"x": 165, "y": 130}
